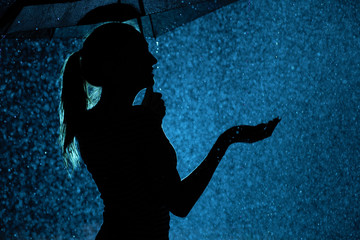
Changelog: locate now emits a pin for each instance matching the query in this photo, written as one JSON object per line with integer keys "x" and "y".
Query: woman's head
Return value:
{"x": 114, "y": 56}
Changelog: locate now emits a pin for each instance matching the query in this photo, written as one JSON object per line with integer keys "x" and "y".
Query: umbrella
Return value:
{"x": 75, "y": 18}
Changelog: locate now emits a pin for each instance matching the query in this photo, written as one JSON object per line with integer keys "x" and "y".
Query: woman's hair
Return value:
{"x": 73, "y": 105}
{"x": 83, "y": 68}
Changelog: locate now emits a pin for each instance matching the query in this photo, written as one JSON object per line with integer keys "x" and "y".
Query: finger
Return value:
{"x": 149, "y": 92}
{"x": 148, "y": 96}
{"x": 271, "y": 126}
{"x": 157, "y": 95}
{"x": 275, "y": 121}
{"x": 158, "y": 104}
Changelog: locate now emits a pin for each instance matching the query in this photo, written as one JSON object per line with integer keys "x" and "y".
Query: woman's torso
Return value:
{"x": 133, "y": 165}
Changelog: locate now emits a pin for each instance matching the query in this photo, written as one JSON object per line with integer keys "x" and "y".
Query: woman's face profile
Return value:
{"x": 133, "y": 63}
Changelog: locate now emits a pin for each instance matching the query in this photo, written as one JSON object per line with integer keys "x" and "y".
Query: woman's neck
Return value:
{"x": 114, "y": 100}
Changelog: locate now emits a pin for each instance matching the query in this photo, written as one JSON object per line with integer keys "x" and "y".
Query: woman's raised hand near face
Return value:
{"x": 250, "y": 134}
{"x": 153, "y": 102}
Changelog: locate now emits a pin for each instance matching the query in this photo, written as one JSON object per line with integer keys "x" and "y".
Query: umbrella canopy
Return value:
{"x": 75, "y": 18}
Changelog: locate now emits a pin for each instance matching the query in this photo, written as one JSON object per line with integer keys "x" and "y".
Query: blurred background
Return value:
{"x": 246, "y": 63}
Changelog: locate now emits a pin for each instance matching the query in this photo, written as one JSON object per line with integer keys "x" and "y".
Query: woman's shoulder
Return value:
{"x": 136, "y": 117}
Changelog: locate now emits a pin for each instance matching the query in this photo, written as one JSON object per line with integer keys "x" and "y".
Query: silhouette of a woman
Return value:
{"x": 123, "y": 146}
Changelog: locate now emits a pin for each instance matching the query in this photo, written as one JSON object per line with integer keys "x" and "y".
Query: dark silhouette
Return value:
{"x": 124, "y": 146}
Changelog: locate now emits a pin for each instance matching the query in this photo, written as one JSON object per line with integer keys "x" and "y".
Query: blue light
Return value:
{"x": 244, "y": 64}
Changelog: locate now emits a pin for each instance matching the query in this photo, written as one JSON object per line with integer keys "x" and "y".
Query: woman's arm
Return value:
{"x": 183, "y": 194}
{"x": 191, "y": 187}
{"x": 186, "y": 193}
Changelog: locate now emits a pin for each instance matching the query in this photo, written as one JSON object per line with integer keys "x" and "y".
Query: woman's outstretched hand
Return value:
{"x": 250, "y": 134}
{"x": 153, "y": 102}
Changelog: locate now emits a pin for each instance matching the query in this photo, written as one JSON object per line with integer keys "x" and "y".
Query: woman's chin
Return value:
{"x": 150, "y": 82}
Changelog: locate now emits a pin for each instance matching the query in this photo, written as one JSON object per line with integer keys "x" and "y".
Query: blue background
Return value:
{"x": 243, "y": 64}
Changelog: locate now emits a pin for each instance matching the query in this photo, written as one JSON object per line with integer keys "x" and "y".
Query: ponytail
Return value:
{"x": 73, "y": 105}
